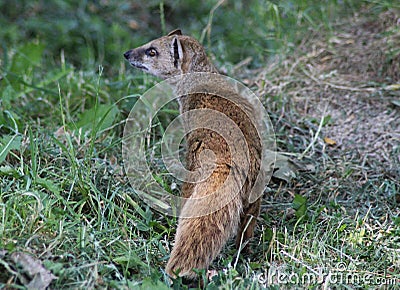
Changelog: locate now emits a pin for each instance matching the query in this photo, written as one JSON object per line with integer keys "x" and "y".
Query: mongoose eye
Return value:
{"x": 151, "y": 52}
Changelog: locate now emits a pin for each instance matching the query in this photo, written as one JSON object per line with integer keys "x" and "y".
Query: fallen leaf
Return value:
{"x": 39, "y": 275}
{"x": 329, "y": 141}
{"x": 133, "y": 24}
{"x": 396, "y": 102}
{"x": 60, "y": 132}
{"x": 393, "y": 87}
{"x": 285, "y": 169}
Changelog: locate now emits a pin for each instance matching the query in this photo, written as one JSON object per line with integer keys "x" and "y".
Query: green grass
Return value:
{"x": 65, "y": 92}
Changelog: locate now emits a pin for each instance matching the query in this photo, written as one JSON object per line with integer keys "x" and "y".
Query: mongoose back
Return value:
{"x": 200, "y": 238}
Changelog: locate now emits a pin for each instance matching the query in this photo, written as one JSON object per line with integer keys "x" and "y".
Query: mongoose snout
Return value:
{"x": 127, "y": 54}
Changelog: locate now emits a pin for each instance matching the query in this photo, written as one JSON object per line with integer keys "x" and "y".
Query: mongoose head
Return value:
{"x": 170, "y": 55}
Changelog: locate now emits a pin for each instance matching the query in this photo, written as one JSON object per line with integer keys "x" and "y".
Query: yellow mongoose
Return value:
{"x": 199, "y": 239}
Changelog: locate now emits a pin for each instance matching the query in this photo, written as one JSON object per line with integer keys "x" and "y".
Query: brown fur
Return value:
{"x": 198, "y": 240}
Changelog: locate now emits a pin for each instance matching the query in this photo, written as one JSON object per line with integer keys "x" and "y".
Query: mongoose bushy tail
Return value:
{"x": 223, "y": 194}
{"x": 198, "y": 240}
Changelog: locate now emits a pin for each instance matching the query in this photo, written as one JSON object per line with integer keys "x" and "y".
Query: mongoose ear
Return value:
{"x": 175, "y": 32}
{"x": 176, "y": 51}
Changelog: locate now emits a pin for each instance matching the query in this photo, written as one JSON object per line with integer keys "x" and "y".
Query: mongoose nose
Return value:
{"x": 127, "y": 54}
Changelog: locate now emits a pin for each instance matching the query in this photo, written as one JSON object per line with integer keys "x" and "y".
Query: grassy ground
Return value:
{"x": 327, "y": 71}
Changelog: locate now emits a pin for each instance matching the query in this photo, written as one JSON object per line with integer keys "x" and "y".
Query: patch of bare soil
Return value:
{"x": 335, "y": 104}
{"x": 352, "y": 79}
